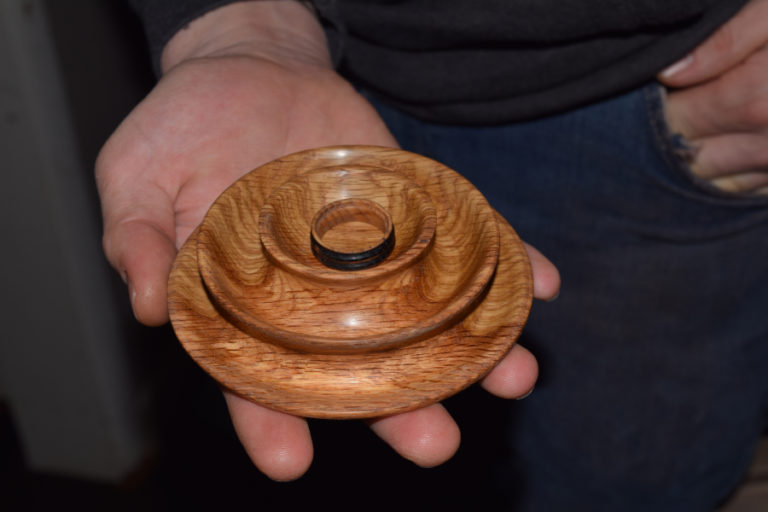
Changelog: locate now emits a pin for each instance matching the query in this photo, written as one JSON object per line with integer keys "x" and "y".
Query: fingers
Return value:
{"x": 514, "y": 376}
{"x": 745, "y": 183}
{"x": 428, "y": 437}
{"x": 142, "y": 254}
{"x": 730, "y": 45}
{"x": 278, "y": 444}
{"x": 735, "y": 102}
{"x": 729, "y": 155}
{"x": 139, "y": 223}
{"x": 726, "y": 121}
{"x": 546, "y": 278}
{"x": 721, "y": 104}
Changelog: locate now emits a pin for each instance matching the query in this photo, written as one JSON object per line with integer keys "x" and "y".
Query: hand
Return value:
{"x": 230, "y": 100}
{"x": 719, "y": 102}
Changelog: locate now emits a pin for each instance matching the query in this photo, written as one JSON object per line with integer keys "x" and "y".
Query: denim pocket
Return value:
{"x": 676, "y": 153}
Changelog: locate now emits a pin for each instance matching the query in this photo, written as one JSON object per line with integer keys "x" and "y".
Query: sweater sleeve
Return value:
{"x": 163, "y": 18}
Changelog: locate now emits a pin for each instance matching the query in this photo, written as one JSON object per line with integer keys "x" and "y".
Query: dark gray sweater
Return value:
{"x": 490, "y": 61}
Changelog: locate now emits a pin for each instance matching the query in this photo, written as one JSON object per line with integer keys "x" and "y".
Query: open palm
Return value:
{"x": 207, "y": 122}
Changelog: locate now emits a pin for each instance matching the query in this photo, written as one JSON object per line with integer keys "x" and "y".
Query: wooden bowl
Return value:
{"x": 350, "y": 282}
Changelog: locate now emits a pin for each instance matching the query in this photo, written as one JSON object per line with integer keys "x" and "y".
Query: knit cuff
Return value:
{"x": 163, "y": 18}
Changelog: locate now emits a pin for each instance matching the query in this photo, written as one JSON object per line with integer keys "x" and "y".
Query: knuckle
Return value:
{"x": 755, "y": 113}
{"x": 109, "y": 246}
{"x": 723, "y": 41}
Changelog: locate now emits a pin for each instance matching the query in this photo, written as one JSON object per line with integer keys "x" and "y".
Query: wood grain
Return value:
{"x": 253, "y": 306}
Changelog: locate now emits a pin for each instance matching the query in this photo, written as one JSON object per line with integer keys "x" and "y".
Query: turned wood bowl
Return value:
{"x": 349, "y": 282}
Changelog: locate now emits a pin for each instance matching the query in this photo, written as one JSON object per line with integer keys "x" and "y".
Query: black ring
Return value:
{"x": 353, "y": 260}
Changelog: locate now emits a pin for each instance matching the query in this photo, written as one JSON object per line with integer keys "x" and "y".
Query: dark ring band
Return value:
{"x": 353, "y": 260}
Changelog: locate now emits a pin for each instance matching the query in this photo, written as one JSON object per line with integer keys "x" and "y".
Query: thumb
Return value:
{"x": 727, "y": 47}
{"x": 143, "y": 254}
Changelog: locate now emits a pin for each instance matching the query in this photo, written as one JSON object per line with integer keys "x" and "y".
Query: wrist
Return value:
{"x": 283, "y": 31}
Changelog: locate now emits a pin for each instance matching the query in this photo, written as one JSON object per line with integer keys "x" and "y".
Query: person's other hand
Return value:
{"x": 243, "y": 85}
{"x": 719, "y": 102}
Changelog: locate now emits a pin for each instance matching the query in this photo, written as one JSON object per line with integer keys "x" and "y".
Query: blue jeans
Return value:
{"x": 654, "y": 359}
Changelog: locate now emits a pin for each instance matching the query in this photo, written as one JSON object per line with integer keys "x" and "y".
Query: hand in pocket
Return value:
{"x": 718, "y": 100}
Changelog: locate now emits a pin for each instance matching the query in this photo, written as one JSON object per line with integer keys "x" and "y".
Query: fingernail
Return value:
{"x": 131, "y": 292}
{"x": 526, "y": 395}
{"x": 553, "y": 299}
{"x": 132, "y": 296}
{"x": 677, "y": 66}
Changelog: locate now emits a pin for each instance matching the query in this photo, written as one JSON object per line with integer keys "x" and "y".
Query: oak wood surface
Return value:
{"x": 252, "y": 305}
